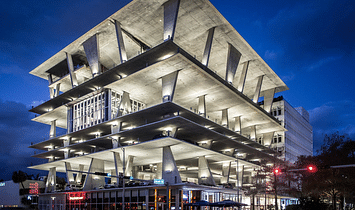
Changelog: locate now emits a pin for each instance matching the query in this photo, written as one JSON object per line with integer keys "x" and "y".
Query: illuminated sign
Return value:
{"x": 2, "y": 184}
{"x": 34, "y": 188}
{"x": 76, "y": 198}
{"x": 158, "y": 181}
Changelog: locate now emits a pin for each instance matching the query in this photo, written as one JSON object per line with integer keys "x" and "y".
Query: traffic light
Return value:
{"x": 277, "y": 171}
{"x": 312, "y": 168}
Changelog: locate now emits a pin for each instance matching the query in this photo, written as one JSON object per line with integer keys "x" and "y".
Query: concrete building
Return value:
{"x": 162, "y": 90}
{"x": 298, "y": 139}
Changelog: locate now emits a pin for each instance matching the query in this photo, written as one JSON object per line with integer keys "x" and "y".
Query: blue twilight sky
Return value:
{"x": 309, "y": 44}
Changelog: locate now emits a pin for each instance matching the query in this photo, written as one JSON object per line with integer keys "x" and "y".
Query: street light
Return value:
{"x": 312, "y": 168}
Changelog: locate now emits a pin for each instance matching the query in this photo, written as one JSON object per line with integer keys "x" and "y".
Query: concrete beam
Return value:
{"x": 168, "y": 86}
{"x": 91, "y": 48}
{"x": 268, "y": 99}
{"x": 170, "y": 172}
{"x": 208, "y": 47}
{"x": 51, "y": 180}
{"x": 93, "y": 181}
{"x": 202, "y": 105}
{"x": 73, "y": 80}
{"x": 204, "y": 172}
{"x": 243, "y": 77}
{"x": 171, "y": 9}
{"x": 258, "y": 89}
{"x": 120, "y": 42}
{"x": 232, "y": 63}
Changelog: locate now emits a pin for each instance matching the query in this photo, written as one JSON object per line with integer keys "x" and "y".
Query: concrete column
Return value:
{"x": 66, "y": 153}
{"x": 205, "y": 144}
{"x": 51, "y": 180}
{"x": 125, "y": 106}
{"x": 171, "y": 9}
{"x": 57, "y": 89}
{"x": 120, "y": 42}
{"x": 66, "y": 142}
{"x": 51, "y": 92}
{"x": 268, "y": 99}
{"x": 239, "y": 172}
{"x": 238, "y": 125}
{"x": 93, "y": 181}
{"x": 114, "y": 179}
{"x": 79, "y": 175}
{"x": 267, "y": 137}
{"x": 253, "y": 133}
{"x": 202, "y": 106}
{"x": 257, "y": 89}
{"x": 116, "y": 128}
{"x": 243, "y": 77}
{"x": 225, "y": 122}
{"x": 170, "y": 172}
{"x": 118, "y": 162}
{"x": 50, "y": 79}
{"x": 204, "y": 172}
{"x": 91, "y": 48}
{"x": 52, "y": 131}
{"x": 208, "y": 47}
{"x": 168, "y": 86}
{"x": 232, "y": 63}
{"x": 226, "y": 169}
{"x": 114, "y": 141}
{"x": 129, "y": 166}
{"x": 70, "y": 176}
{"x": 73, "y": 80}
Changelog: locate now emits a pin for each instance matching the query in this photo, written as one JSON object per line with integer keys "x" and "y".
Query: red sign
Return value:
{"x": 34, "y": 188}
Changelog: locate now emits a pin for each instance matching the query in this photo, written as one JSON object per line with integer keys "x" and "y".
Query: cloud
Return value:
{"x": 16, "y": 134}
{"x": 332, "y": 117}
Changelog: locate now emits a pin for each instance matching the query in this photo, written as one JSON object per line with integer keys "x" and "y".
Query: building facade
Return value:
{"x": 298, "y": 139}
{"x": 164, "y": 92}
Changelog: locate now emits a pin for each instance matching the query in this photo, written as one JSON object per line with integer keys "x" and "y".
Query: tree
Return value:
{"x": 334, "y": 184}
{"x": 19, "y": 177}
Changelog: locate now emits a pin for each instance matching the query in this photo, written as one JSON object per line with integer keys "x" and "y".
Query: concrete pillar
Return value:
{"x": 50, "y": 79}
{"x": 79, "y": 175}
{"x": 168, "y": 86}
{"x": 208, "y": 47}
{"x": 226, "y": 168}
{"x": 70, "y": 176}
{"x": 243, "y": 77}
{"x": 170, "y": 172}
{"x": 204, "y": 172}
{"x": 171, "y": 9}
{"x": 268, "y": 99}
{"x": 125, "y": 106}
{"x": 51, "y": 92}
{"x": 66, "y": 142}
{"x": 225, "y": 122}
{"x": 73, "y": 80}
{"x": 57, "y": 89}
{"x": 258, "y": 89}
{"x": 93, "y": 181}
{"x": 114, "y": 141}
{"x": 118, "y": 163}
{"x": 205, "y": 144}
{"x": 120, "y": 42}
{"x": 253, "y": 133}
{"x": 129, "y": 166}
{"x": 232, "y": 63}
{"x": 66, "y": 153}
{"x": 52, "y": 131}
{"x": 91, "y": 48}
{"x": 267, "y": 137}
{"x": 202, "y": 105}
{"x": 239, "y": 172}
{"x": 51, "y": 180}
{"x": 238, "y": 125}
{"x": 116, "y": 128}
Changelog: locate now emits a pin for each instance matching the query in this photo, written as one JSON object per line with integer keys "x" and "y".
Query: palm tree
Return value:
{"x": 19, "y": 177}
